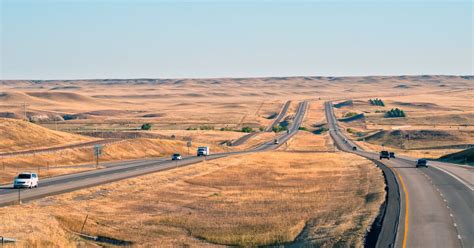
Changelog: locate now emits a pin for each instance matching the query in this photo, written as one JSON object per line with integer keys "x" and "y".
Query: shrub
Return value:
{"x": 394, "y": 113}
{"x": 226, "y": 129}
{"x": 261, "y": 129}
{"x": 303, "y": 128}
{"x": 146, "y": 126}
{"x": 377, "y": 102}
{"x": 279, "y": 128}
{"x": 206, "y": 127}
{"x": 247, "y": 129}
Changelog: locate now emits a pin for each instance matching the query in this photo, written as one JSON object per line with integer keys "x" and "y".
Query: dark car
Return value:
{"x": 422, "y": 163}
{"x": 354, "y": 148}
{"x": 384, "y": 154}
{"x": 392, "y": 154}
{"x": 176, "y": 156}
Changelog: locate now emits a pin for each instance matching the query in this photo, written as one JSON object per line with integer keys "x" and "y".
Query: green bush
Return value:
{"x": 226, "y": 129}
{"x": 279, "y": 128}
{"x": 395, "y": 113}
{"x": 206, "y": 128}
{"x": 146, "y": 126}
{"x": 261, "y": 129}
{"x": 247, "y": 129}
{"x": 303, "y": 128}
{"x": 377, "y": 102}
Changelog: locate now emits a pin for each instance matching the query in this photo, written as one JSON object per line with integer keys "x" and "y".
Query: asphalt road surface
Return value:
{"x": 128, "y": 169}
{"x": 436, "y": 208}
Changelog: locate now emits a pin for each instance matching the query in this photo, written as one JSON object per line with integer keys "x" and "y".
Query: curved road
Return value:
{"x": 128, "y": 169}
{"x": 437, "y": 207}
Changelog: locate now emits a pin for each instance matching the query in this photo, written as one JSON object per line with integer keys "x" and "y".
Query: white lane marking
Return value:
{"x": 454, "y": 176}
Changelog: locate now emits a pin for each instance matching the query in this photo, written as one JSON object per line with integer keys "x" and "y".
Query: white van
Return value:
{"x": 26, "y": 180}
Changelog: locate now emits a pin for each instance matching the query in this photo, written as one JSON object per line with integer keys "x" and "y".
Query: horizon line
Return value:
{"x": 250, "y": 77}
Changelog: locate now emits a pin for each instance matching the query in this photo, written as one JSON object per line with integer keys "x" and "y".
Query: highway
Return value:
{"x": 128, "y": 169}
{"x": 436, "y": 203}
{"x": 275, "y": 122}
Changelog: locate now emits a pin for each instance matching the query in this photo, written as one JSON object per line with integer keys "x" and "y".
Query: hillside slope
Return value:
{"x": 462, "y": 157}
{"x": 19, "y": 135}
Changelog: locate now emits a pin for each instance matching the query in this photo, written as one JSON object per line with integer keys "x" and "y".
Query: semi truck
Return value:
{"x": 203, "y": 151}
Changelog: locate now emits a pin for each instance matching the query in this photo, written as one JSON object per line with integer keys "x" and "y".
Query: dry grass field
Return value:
{"x": 17, "y": 135}
{"x": 436, "y": 123}
{"x": 323, "y": 199}
{"x": 299, "y": 194}
{"x": 305, "y": 141}
{"x": 185, "y": 103}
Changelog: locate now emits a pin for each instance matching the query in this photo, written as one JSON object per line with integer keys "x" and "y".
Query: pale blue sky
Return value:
{"x": 170, "y": 39}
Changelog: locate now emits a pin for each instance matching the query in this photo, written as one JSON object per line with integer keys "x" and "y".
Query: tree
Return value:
{"x": 146, "y": 126}
{"x": 396, "y": 112}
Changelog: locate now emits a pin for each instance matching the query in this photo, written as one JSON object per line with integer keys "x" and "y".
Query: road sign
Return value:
{"x": 97, "y": 150}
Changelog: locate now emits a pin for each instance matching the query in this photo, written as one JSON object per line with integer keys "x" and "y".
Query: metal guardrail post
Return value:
{"x": 19, "y": 195}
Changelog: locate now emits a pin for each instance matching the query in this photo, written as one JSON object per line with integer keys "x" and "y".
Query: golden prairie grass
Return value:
{"x": 222, "y": 101}
{"x": 314, "y": 114}
{"x": 17, "y": 135}
{"x": 248, "y": 200}
{"x": 306, "y": 141}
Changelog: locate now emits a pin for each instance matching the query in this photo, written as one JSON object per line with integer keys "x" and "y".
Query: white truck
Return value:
{"x": 203, "y": 151}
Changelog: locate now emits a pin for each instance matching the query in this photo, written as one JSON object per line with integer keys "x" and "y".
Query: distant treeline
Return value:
{"x": 377, "y": 102}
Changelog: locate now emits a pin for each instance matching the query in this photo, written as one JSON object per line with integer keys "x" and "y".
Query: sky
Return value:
{"x": 74, "y": 39}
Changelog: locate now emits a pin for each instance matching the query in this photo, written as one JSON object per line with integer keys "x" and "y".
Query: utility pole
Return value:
{"x": 24, "y": 110}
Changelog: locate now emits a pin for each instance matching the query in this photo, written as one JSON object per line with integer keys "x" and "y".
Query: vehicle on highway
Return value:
{"x": 354, "y": 148}
{"x": 176, "y": 156}
{"x": 26, "y": 180}
{"x": 384, "y": 154}
{"x": 276, "y": 142}
{"x": 203, "y": 151}
{"x": 392, "y": 154}
{"x": 422, "y": 163}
